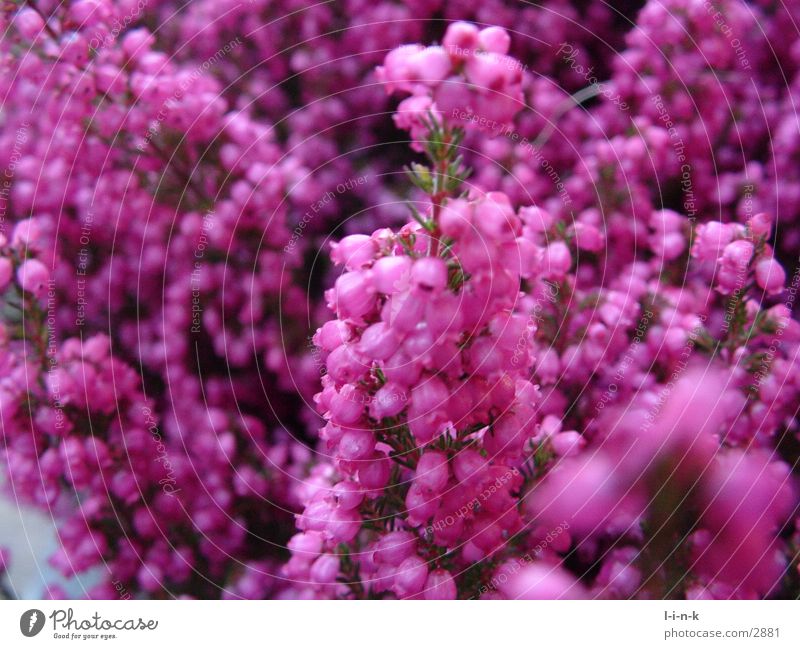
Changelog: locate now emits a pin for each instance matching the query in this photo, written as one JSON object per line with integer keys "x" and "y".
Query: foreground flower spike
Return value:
{"x": 429, "y": 411}
{"x": 437, "y": 302}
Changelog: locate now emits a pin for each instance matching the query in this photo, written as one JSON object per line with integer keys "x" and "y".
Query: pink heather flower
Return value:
{"x": 29, "y": 23}
{"x": 494, "y": 39}
{"x": 412, "y": 67}
{"x": 354, "y": 252}
{"x": 440, "y": 585}
{"x": 711, "y": 238}
{"x": 410, "y": 577}
{"x": 348, "y": 495}
{"x": 309, "y": 543}
{"x": 587, "y": 237}
{"x": 760, "y": 224}
{"x": 456, "y": 217}
{"x": 567, "y": 443}
{"x": 137, "y": 42}
{"x": 432, "y": 472}
{"x": 395, "y": 547}
{"x": 33, "y": 276}
{"x": 374, "y": 474}
{"x": 460, "y": 40}
{"x": 27, "y": 234}
{"x": 557, "y": 260}
{"x": 332, "y": 334}
{"x": 619, "y": 575}
{"x": 412, "y": 115}
{"x": 770, "y": 275}
{"x": 733, "y": 265}
{"x": 429, "y": 274}
{"x": 354, "y": 295}
{"x": 388, "y": 401}
{"x": 537, "y": 581}
{"x": 668, "y": 240}
{"x": 485, "y": 91}
{"x": 391, "y": 274}
{"x": 325, "y": 569}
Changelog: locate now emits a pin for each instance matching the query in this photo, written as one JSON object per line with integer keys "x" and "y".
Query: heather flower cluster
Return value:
{"x": 470, "y": 75}
{"x": 403, "y": 300}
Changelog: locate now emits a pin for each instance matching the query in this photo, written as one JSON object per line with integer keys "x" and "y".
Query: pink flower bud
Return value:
{"x": 557, "y": 259}
{"x": 567, "y": 443}
{"x": 27, "y": 234}
{"x": 354, "y": 252}
{"x": 539, "y": 581}
{"x": 356, "y": 444}
{"x": 469, "y": 466}
{"x": 494, "y": 39}
{"x": 343, "y": 364}
{"x": 429, "y": 396}
{"x": 306, "y": 544}
{"x": 431, "y": 65}
{"x": 355, "y": 296}
{"x": 738, "y": 253}
{"x": 325, "y": 569}
{"x": 391, "y": 274}
{"x": 332, "y": 334}
{"x": 487, "y": 71}
{"x": 460, "y": 39}
{"x": 395, "y": 547}
{"x": 760, "y": 224}
{"x": 375, "y": 473}
{"x": 28, "y": 23}
{"x": 33, "y": 276}
{"x": 137, "y": 42}
{"x": 732, "y": 271}
{"x": 495, "y": 218}
{"x": 85, "y": 12}
{"x": 432, "y": 472}
{"x": 388, "y": 401}
{"x": 429, "y": 273}
{"x": 455, "y": 217}
{"x": 440, "y": 585}
{"x": 711, "y": 238}
{"x": 398, "y": 70}
{"x": 770, "y": 275}
{"x": 536, "y": 219}
{"x": 378, "y": 341}
{"x": 410, "y": 577}
{"x": 420, "y": 504}
{"x": 404, "y": 311}
{"x": 348, "y": 495}
{"x": 347, "y": 405}
{"x": 588, "y": 237}
{"x": 343, "y": 525}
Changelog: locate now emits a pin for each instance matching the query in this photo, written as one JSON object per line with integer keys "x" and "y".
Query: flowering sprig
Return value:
{"x": 421, "y": 410}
